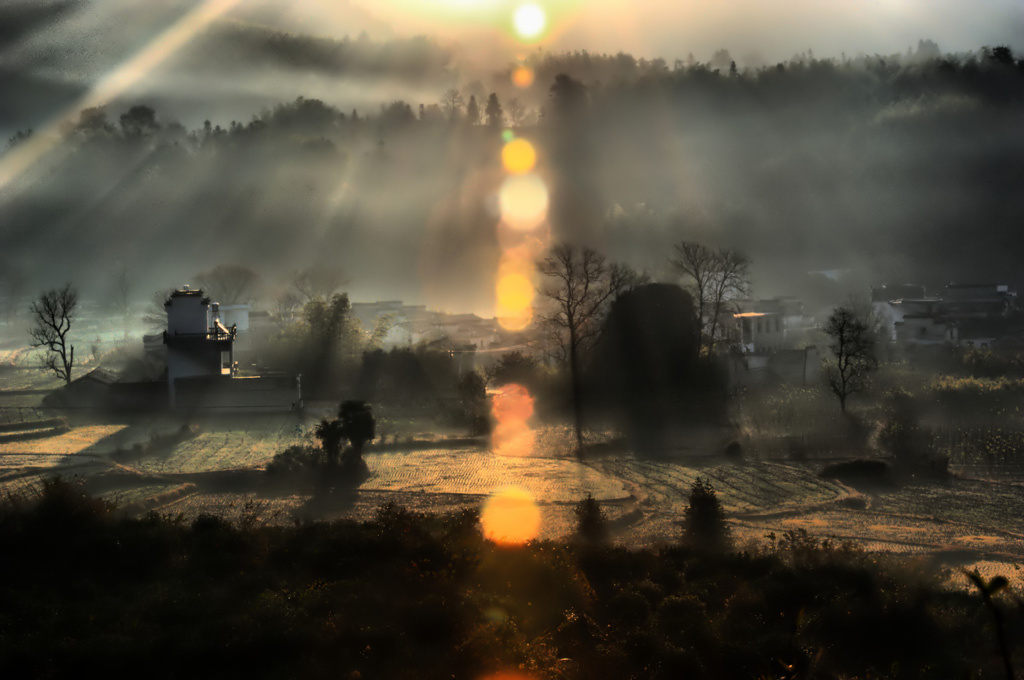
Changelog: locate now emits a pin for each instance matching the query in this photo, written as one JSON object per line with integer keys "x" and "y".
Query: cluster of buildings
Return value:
{"x": 775, "y": 340}
{"x": 965, "y": 315}
{"x": 770, "y": 340}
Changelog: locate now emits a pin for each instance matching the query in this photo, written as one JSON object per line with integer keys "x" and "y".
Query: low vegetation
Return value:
{"x": 408, "y": 592}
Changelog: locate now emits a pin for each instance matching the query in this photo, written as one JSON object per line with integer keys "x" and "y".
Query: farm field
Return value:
{"x": 226, "y": 444}
{"x": 958, "y": 522}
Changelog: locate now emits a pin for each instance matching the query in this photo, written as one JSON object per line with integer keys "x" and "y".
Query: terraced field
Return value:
{"x": 68, "y": 443}
{"x": 476, "y": 472}
{"x": 235, "y": 444}
{"x": 754, "y": 487}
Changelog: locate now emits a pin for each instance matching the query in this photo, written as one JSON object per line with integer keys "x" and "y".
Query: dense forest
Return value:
{"x": 903, "y": 167}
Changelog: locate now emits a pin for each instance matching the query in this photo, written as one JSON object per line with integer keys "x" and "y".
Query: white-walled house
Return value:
{"x": 198, "y": 344}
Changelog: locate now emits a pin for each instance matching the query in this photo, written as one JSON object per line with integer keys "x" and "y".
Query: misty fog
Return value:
{"x": 336, "y": 152}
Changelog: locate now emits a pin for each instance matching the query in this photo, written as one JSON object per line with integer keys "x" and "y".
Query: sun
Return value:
{"x": 529, "y": 21}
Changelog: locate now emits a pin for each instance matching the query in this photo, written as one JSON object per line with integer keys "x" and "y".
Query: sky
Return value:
{"x": 769, "y": 30}
{"x": 164, "y": 53}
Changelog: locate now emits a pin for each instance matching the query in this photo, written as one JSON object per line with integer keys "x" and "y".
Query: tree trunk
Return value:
{"x": 577, "y": 396}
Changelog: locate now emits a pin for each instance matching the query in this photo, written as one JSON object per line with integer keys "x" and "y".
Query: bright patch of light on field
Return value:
{"x": 510, "y": 517}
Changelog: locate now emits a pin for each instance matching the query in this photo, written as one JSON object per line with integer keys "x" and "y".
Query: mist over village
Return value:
{"x": 511, "y": 340}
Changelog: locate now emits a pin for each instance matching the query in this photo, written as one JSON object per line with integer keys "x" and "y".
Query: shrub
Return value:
{"x": 591, "y": 524}
{"x": 296, "y": 459}
{"x": 704, "y": 527}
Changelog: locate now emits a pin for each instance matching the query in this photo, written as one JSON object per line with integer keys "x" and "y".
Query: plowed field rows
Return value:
{"x": 554, "y": 480}
{"x": 756, "y": 487}
{"x": 77, "y": 440}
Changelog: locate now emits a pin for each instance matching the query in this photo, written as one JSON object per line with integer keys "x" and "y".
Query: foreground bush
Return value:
{"x": 411, "y": 595}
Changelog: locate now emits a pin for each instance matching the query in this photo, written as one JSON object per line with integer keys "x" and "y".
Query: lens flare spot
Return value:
{"x": 529, "y": 21}
{"x": 515, "y": 292}
{"x": 522, "y": 77}
{"x": 510, "y": 517}
{"x": 512, "y": 404}
{"x": 512, "y": 407}
{"x": 508, "y": 675}
{"x": 518, "y": 157}
{"x": 523, "y": 201}
{"x": 507, "y": 135}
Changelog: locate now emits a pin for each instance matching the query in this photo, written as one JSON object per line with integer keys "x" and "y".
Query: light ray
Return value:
{"x": 114, "y": 84}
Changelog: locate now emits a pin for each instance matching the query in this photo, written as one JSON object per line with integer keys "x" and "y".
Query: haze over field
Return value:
{"x": 900, "y": 165}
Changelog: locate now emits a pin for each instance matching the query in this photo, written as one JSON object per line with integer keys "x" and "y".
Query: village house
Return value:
{"x": 201, "y": 367}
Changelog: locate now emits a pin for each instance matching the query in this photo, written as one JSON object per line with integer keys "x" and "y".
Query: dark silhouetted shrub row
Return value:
{"x": 408, "y": 595}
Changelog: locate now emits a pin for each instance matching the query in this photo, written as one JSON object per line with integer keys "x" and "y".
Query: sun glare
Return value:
{"x": 510, "y": 517}
{"x": 529, "y": 21}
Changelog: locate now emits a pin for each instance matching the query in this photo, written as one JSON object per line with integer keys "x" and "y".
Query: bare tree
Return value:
{"x": 230, "y": 284}
{"x": 516, "y": 112}
{"x": 582, "y": 284}
{"x": 53, "y": 314}
{"x": 451, "y": 102}
{"x": 316, "y": 281}
{"x": 853, "y": 354}
{"x": 155, "y": 316}
{"x": 717, "y": 278}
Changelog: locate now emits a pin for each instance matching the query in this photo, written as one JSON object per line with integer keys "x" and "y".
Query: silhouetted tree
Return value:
{"x": 495, "y": 116}
{"x": 52, "y": 315}
{"x": 230, "y": 284}
{"x": 451, "y": 103}
{"x": 704, "y": 524}
{"x": 472, "y": 111}
{"x": 19, "y": 137}
{"x": 716, "y": 278}
{"x": 93, "y": 122}
{"x": 515, "y": 367}
{"x": 358, "y": 426}
{"x": 139, "y": 120}
{"x": 516, "y": 112}
{"x": 330, "y": 433}
{"x": 591, "y": 523}
{"x": 581, "y": 284}
{"x": 853, "y": 354}
{"x": 318, "y": 281}
{"x": 568, "y": 96}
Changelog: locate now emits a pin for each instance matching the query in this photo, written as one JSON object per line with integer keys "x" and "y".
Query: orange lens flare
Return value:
{"x": 510, "y": 517}
{"x": 514, "y": 291}
{"x": 512, "y": 407}
{"x": 512, "y": 403}
{"x": 522, "y": 77}
{"x": 518, "y": 157}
